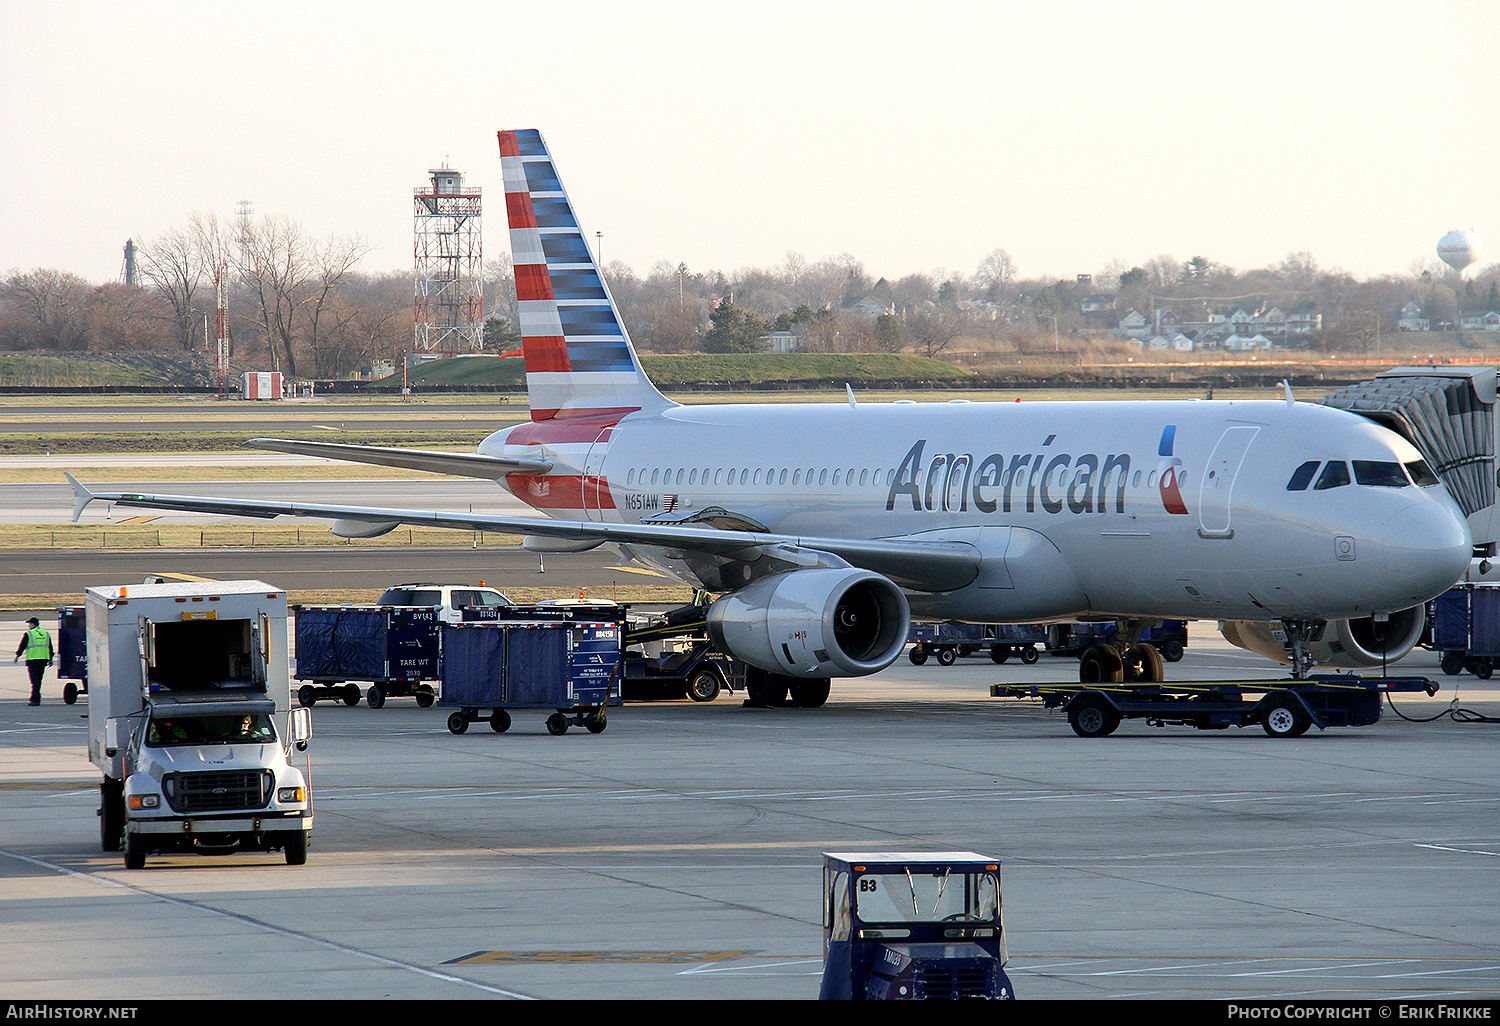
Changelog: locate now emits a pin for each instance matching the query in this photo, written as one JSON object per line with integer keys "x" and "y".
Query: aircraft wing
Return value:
{"x": 462, "y": 464}
{"x": 922, "y": 565}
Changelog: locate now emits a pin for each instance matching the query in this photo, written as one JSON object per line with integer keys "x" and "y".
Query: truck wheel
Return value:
{"x": 1029, "y": 655}
{"x": 1092, "y": 716}
{"x": 351, "y": 695}
{"x": 704, "y": 686}
{"x": 918, "y": 655}
{"x": 375, "y": 696}
{"x": 307, "y": 695}
{"x": 111, "y": 814}
{"x": 424, "y": 697}
{"x": 947, "y": 656}
{"x": 557, "y": 724}
{"x": 135, "y": 852}
{"x": 458, "y": 723}
{"x": 296, "y": 848}
{"x": 70, "y": 693}
{"x": 1285, "y": 718}
{"x": 499, "y": 721}
{"x": 1481, "y": 667}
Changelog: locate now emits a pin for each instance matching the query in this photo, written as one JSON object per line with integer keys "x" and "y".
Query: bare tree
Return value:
{"x": 173, "y": 265}
{"x": 933, "y": 330}
{"x": 45, "y": 309}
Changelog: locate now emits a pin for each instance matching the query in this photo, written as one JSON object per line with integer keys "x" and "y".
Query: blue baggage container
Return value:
{"x": 569, "y": 666}
{"x": 395, "y": 648}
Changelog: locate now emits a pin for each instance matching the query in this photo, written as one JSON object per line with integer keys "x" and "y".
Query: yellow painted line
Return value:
{"x": 135, "y": 520}
{"x": 640, "y": 570}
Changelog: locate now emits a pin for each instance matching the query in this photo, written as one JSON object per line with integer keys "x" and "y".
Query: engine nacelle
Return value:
{"x": 1345, "y": 643}
{"x": 813, "y": 623}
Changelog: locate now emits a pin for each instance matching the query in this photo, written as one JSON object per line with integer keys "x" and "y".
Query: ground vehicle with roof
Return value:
{"x": 911, "y": 926}
{"x": 191, "y": 721}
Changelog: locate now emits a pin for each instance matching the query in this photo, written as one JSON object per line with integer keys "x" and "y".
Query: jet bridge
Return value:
{"x": 1448, "y": 413}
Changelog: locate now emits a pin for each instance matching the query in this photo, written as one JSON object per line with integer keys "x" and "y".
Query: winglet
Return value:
{"x": 850, "y": 389}
{"x": 81, "y": 496}
{"x": 1288, "y": 386}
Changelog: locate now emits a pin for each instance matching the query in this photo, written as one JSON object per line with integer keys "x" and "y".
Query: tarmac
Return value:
{"x": 676, "y": 855}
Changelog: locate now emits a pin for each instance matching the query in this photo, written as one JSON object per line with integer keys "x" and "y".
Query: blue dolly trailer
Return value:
{"x": 1466, "y": 629}
{"x": 909, "y": 926}
{"x": 1284, "y": 708}
{"x": 951, "y": 639}
{"x": 569, "y": 666}
{"x": 72, "y": 653}
{"x": 394, "y": 648}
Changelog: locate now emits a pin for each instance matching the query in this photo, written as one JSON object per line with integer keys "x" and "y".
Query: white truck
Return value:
{"x": 192, "y": 723}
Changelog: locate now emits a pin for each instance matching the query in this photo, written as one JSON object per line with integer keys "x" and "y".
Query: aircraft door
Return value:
{"x": 1216, "y": 488}
{"x": 595, "y": 488}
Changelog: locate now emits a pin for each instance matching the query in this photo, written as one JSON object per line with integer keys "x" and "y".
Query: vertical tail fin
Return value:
{"x": 579, "y": 361}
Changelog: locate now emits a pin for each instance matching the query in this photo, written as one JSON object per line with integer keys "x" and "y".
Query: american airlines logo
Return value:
{"x": 1045, "y": 480}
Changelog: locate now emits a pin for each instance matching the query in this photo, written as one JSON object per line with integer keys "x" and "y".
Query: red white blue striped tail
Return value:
{"x": 579, "y": 361}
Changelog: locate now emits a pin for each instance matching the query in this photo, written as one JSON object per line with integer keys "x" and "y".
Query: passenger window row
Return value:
{"x": 778, "y": 476}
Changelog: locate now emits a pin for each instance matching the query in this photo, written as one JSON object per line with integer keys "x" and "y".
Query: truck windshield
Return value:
{"x": 927, "y": 897}
{"x": 170, "y": 731}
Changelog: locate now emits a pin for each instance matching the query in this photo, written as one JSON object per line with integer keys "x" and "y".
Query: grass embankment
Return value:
{"x": 702, "y": 371}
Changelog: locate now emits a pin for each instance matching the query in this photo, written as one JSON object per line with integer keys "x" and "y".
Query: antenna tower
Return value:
{"x": 449, "y": 265}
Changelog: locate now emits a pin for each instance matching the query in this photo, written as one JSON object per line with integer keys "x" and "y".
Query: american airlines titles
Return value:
{"x": 952, "y": 482}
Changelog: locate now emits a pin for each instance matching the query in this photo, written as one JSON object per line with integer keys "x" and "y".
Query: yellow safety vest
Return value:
{"x": 38, "y": 644}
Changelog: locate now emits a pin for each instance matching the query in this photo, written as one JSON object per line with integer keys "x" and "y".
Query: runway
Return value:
{"x": 676, "y": 855}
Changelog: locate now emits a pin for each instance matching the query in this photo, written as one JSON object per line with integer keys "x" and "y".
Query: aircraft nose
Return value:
{"x": 1427, "y": 548}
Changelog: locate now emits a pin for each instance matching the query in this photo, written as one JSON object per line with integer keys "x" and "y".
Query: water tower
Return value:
{"x": 448, "y": 258}
{"x": 1459, "y": 249}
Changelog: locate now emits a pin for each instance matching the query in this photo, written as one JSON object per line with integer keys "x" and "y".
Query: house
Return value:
{"x": 1411, "y": 318}
{"x": 1097, "y": 303}
{"x": 1181, "y": 343}
{"x": 1133, "y": 325}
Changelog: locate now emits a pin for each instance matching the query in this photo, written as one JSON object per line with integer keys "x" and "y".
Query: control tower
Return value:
{"x": 448, "y": 259}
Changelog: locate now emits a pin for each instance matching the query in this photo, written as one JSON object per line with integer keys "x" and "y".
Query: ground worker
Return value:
{"x": 36, "y": 649}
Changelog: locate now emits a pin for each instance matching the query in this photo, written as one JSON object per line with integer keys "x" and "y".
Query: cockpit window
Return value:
{"x": 1334, "y": 475}
{"x": 1302, "y": 476}
{"x": 1421, "y": 474}
{"x": 1380, "y": 474}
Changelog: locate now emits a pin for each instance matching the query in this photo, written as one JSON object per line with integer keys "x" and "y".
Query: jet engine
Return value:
{"x": 823, "y": 622}
{"x": 1345, "y": 643}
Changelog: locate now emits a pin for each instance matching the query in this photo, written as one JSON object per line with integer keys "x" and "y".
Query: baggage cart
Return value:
{"x": 394, "y": 648}
{"x": 569, "y": 666}
{"x": 72, "y": 652}
{"x": 1466, "y": 629}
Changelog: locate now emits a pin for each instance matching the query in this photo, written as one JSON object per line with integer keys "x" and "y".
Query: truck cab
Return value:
{"x": 911, "y": 926}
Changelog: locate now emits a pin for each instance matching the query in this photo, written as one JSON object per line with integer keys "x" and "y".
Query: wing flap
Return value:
{"x": 462, "y": 464}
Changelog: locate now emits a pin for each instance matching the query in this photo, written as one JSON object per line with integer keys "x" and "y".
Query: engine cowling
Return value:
{"x": 1346, "y": 643}
{"x": 814, "y": 623}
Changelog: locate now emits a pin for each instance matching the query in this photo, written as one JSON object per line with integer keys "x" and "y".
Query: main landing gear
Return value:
{"x": 1127, "y": 659}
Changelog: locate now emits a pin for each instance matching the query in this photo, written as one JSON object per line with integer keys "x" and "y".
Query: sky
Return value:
{"x": 916, "y": 137}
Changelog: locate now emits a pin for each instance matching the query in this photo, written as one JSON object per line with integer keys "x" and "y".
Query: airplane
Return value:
{"x": 823, "y": 528}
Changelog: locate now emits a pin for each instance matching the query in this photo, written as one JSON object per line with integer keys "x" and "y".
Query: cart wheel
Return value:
{"x": 424, "y": 697}
{"x": 307, "y": 695}
{"x": 458, "y": 722}
{"x": 947, "y": 656}
{"x": 557, "y": 724}
{"x": 351, "y": 695}
{"x": 375, "y": 696}
{"x": 1171, "y": 650}
{"x": 1482, "y": 667}
{"x": 1285, "y": 718}
{"x": 918, "y": 655}
{"x": 1092, "y": 716}
{"x": 703, "y": 686}
{"x": 596, "y": 723}
{"x": 499, "y": 721}
{"x": 999, "y": 653}
{"x": 1453, "y": 663}
{"x": 70, "y": 693}
{"x": 1030, "y": 655}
